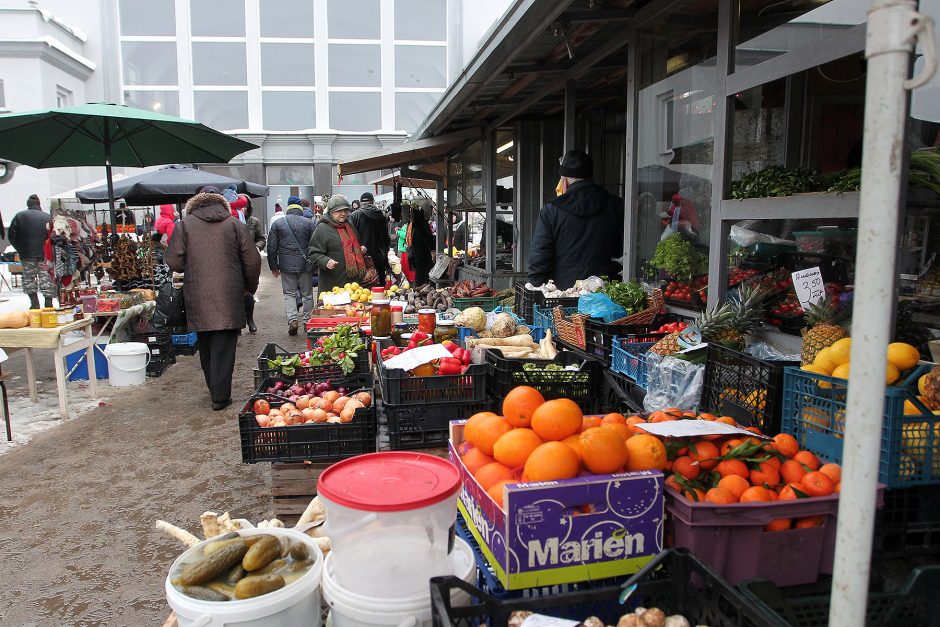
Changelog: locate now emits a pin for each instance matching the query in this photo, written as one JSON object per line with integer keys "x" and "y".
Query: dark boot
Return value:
{"x": 48, "y": 301}
{"x": 250, "y": 313}
{"x": 33, "y": 301}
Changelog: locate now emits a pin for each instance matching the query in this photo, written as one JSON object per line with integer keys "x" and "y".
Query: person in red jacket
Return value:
{"x": 166, "y": 222}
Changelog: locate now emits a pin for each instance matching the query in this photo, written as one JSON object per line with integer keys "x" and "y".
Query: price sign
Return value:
{"x": 694, "y": 429}
{"x": 342, "y": 298}
{"x": 809, "y": 286}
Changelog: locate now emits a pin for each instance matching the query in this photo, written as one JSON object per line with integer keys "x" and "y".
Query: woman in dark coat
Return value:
{"x": 221, "y": 265}
{"x": 260, "y": 239}
{"x": 419, "y": 242}
{"x": 334, "y": 247}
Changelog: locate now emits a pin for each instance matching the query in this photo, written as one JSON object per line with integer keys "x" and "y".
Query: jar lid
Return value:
{"x": 381, "y": 301}
{"x": 445, "y": 323}
{"x": 378, "y": 290}
{"x": 389, "y": 482}
{"x": 403, "y": 325}
{"x": 427, "y": 311}
{"x": 397, "y": 308}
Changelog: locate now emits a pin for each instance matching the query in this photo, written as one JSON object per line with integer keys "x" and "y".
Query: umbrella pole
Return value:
{"x": 107, "y": 167}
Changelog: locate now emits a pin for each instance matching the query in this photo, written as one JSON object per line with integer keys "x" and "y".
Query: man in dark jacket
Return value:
{"x": 372, "y": 227}
{"x": 28, "y": 233}
{"x": 221, "y": 265}
{"x": 579, "y": 233}
{"x": 287, "y": 259}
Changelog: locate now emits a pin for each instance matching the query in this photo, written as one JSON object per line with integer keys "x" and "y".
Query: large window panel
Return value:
{"x": 288, "y": 110}
{"x": 222, "y": 110}
{"x": 147, "y": 17}
{"x": 355, "y": 111}
{"x": 286, "y": 18}
{"x": 149, "y": 63}
{"x": 423, "y": 20}
{"x": 217, "y": 63}
{"x": 420, "y": 66}
{"x": 355, "y": 65}
{"x": 167, "y": 102}
{"x": 770, "y": 30}
{"x": 287, "y": 64}
{"x": 217, "y": 18}
{"x": 353, "y": 19}
{"x": 411, "y": 108}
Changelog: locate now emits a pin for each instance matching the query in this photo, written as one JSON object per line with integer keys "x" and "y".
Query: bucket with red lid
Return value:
{"x": 390, "y": 519}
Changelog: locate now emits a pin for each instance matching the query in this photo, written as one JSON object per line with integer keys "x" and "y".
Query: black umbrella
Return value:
{"x": 172, "y": 184}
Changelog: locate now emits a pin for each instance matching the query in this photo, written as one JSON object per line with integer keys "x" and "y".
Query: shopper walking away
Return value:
{"x": 221, "y": 265}
{"x": 579, "y": 233}
{"x": 335, "y": 248}
{"x": 308, "y": 212}
{"x": 278, "y": 213}
{"x": 419, "y": 242}
{"x": 287, "y": 260}
{"x": 260, "y": 240}
{"x": 372, "y": 227}
{"x": 166, "y": 222}
{"x": 354, "y": 205}
{"x": 28, "y": 232}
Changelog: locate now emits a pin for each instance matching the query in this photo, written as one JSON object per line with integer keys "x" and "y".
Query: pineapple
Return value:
{"x": 727, "y": 323}
{"x": 823, "y": 330}
{"x": 669, "y": 345}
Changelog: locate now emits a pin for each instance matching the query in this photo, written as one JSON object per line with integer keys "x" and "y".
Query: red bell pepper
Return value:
{"x": 465, "y": 357}
{"x": 452, "y": 347}
{"x": 449, "y": 365}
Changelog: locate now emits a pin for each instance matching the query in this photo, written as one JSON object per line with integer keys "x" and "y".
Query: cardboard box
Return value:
{"x": 555, "y": 532}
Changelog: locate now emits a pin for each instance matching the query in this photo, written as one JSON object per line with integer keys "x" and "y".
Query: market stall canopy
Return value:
{"x": 72, "y": 193}
{"x": 426, "y": 178}
{"x": 110, "y": 134}
{"x": 174, "y": 183}
{"x": 410, "y": 153}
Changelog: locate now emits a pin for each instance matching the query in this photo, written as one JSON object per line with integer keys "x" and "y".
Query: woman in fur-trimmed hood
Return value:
{"x": 221, "y": 265}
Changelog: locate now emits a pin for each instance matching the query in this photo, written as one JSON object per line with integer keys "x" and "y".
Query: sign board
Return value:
{"x": 342, "y": 298}
{"x": 693, "y": 429}
{"x": 417, "y": 356}
{"x": 809, "y": 286}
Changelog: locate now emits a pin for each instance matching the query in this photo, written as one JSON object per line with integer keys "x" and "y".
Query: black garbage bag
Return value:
{"x": 171, "y": 308}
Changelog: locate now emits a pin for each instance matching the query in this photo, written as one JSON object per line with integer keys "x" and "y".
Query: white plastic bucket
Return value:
{"x": 127, "y": 363}
{"x": 348, "y": 609}
{"x": 295, "y": 604}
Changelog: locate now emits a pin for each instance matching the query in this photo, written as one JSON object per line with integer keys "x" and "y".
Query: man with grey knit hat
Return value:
{"x": 28, "y": 233}
{"x": 287, "y": 258}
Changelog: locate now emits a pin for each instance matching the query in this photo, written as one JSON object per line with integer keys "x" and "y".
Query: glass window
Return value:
{"x": 147, "y": 17}
{"x": 167, "y": 102}
{"x": 355, "y": 111}
{"x": 421, "y": 20}
{"x": 353, "y": 19}
{"x": 769, "y": 30}
{"x": 675, "y": 139}
{"x": 222, "y": 110}
{"x": 287, "y": 64}
{"x": 289, "y": 175}
{"x": 217, "y": 18}
{"x": 411, "y": 109}
{"x": 219, "y": 63}
{"x": 288, "y": 110}
{"x": 420, "y": 66}
{"x": 286, "y": 18}
{"x": 355, "y": 65}
{"x": 149, "y": 62}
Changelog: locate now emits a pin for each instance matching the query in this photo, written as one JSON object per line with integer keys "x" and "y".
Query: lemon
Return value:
{"x": 817, "y": 370}
{"x": 891, "y": 373}
{"x": 841, "y": 371}
{"x": 903, "y": 356}
{"x": 840, "y": 350}
{"x": 822, "y": 360}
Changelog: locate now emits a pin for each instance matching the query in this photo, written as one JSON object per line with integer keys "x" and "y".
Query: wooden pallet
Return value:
{"x": 293, "y": 485}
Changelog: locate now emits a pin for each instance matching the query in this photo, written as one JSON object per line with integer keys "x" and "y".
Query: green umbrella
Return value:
{"x": 110, "y": 134}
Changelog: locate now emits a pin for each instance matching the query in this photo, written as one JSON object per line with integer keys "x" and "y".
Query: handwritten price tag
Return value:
{"x": 342, "y": 298}
{"x": 809, "y": 286}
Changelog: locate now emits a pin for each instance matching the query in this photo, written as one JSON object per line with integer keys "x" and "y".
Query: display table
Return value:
{"x": 30, "y": 339}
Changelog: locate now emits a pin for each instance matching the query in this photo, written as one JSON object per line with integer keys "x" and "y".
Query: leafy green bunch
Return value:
{"x": 776, "y": 180}
{"x": 678, "y": 257}
{"x": 629, "y": 295}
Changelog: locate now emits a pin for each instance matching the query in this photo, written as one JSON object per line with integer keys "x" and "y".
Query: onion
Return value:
{"x": 297, "y": 390}
{"x": 280, "y": 385}
{"x": 320, "y": 388}
{"x": 342, "y": 391}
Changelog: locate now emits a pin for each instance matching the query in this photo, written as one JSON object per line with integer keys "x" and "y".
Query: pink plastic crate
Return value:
{"x": 732, "y": 541}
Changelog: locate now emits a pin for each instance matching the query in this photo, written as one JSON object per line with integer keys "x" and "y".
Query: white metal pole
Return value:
{"x": 893, "y": 27}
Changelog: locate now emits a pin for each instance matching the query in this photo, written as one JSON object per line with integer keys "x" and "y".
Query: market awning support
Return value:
{"x": 894, "y": 26}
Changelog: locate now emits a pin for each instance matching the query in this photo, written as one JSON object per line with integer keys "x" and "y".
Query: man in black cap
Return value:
{"x": 579, "y": 233}
{"x": 372, "y": 228}
{"x": 28, "y": 233}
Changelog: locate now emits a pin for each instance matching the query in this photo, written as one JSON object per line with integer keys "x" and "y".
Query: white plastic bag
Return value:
{"x": 672, "y": 383}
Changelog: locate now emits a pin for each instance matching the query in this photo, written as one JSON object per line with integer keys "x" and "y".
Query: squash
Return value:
{"x": 14, "y": 320}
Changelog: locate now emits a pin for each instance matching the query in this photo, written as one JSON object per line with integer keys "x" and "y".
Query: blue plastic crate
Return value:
{"x": 628, "y": 357}
{"x": 186, "y": 339}
{"x": 543, "y": 318}
{"x": 814, "y": 413}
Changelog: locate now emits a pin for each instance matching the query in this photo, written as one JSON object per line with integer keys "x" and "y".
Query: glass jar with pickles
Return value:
{"x": 427, "y": 320}
{"x": 380, "y": 318}
{"x": 444, "y": 331}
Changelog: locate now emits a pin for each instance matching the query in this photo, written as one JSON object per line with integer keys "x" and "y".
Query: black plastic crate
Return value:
{"x": 273, "y": 351}
{"x": 915, "y": 604}
{"x": 426, "y": 425}
{"x": 322, "y": 442}
{"x": 675, "y": 581}
{"x": 401, "y": 388}
{"x": 748, "y": 389}
{"x": 523, "y": 303}
{"x": 186, "y": 350}
{"x": 599, "y": 335}
{"x": 619, "y": 392}
{"x": 154, "y": 338}
{"x": 909, "y": 522}
{"x": 582, "y": 385}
